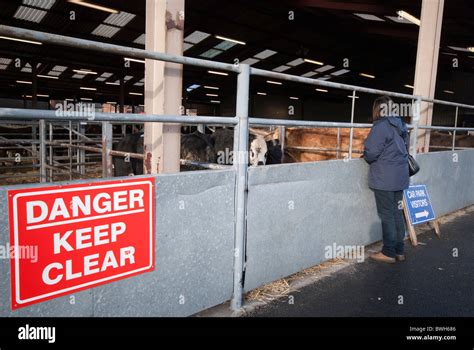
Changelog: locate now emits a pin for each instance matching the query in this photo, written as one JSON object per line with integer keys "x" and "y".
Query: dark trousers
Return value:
{"x": 390, "y": 213}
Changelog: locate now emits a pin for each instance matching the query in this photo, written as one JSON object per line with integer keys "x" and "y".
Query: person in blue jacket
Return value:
{"x": 386, "y": 152}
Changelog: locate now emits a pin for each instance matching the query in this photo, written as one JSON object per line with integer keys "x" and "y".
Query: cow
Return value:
{"x": 195, "y": 146}
{"x": 442, "y": 141}
{"x": 260, "y": 152}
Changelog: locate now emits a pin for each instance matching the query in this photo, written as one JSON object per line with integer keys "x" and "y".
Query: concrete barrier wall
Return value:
{"x": 296, "y": 210}
{"x": 194, "y": 236}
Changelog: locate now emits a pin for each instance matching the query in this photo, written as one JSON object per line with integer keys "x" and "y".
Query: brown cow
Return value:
{"x": 445, "y": 141}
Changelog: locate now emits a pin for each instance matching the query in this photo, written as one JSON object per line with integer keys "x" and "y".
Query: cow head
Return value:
{"x": 258, "y": 150}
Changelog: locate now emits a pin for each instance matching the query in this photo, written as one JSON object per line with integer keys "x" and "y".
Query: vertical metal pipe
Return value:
{"x": 106, "y": 147}
{"x": 455, "y": 125}
{"x": 338, "y": 147}
{"x": 240, "y": 167}
{"x": 282, "y": 133}
{"x": 351, "y": 135}
{"x": 69, "y": 150}
{"x": 415, "y": 121}
{"x": 81, "y": 154}
{"x": 50, "y": 152}
{"x": 42, "y": 150}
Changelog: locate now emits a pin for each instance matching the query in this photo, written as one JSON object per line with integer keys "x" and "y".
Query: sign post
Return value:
{"x": 418, "y": 209}
{"x": 85, "y": 235}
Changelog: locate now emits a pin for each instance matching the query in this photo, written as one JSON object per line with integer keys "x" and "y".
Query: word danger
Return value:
{"x": 101, "y": 203}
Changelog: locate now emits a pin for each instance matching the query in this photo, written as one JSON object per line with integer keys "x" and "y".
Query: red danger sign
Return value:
{"x": 86, "y": 235}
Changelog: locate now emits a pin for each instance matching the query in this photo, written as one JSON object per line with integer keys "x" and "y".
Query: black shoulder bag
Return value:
{"x": 413, "y": 166}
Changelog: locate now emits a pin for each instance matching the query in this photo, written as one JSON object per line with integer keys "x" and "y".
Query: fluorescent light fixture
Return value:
{"x": 29, "y": 14}
{"x": 274, "y": 82}
{"x": 135, "y": 93}
{"x": 262, "y": 93}
{"x": 128, "y": 77}
{"x": 211, "y": 53}
{"x": 186, "y": 46}
{"x": 326, "y": 77}
{"x": 215, "y": 101}
{"x": 296, "y": 62}
{"x": 211, "y": 87}
{"x": 196, "y": 37}
{"x": 83, "y": 71}
{"x": 106, "y": 75}
{"x": 93, "y": 6}
{"x": 448, "y": 92}
{"x": 87, "y": 88}
{"x": 120, "y": 19}
{"x": 112, "y": 83}
{"x": 265, "y": 54}
{"x": 46, "y": 76}
{"x": 43, "y": 4}
{"x": 325, "y": 68}
{"x": 409, "y": 86}
{"x": 471, "y": 48}
{"x": 21, "y": 40}
{"x": 313, "y": 62}
{"x": 294, "y": 98}
{"x": 111, "y": 103}
{"x": 398, "y": 19}
{"x": 309, "y": 74}
{"x": 229, "y": 39}
{"x": 281, "y": 68}
{"x": 105, "y": 31}
{"x": 463, "y": 49}
{"x": 24, "y": 82}
{"x": 212, "y": 95}
{"x": 449, "y": 53}
{"x": 322, "y": 90}
{"x": 340, "y": 72}
{"x": 138, "y": 84}
{"x": 86, "y": 99}
{"x": 39, "y": 95}
{"x": 133, "y": 60}
{"x": 78, "y": 76}
{"x": 217, "y": 73}
{"x": 370, "y": 76}
{"x": 69, "y": 99}
{"x": 409, "y": 17}
{"x": 250, "y": 61}
{"x": 140, "y": 40}
{"x": 369, "y": 17}
{"x": 28, "y": 96}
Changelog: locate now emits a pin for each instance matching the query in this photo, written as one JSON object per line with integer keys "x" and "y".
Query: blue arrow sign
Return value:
{"x": 418, "y": 204}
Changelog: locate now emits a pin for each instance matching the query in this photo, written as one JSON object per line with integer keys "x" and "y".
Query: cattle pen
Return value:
{"x": 241, "y": 243}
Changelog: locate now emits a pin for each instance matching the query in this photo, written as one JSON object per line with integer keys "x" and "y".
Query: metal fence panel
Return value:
{"x": 194, "y": 237}
{"x": 449, "y": 177}
{"x": 295, "y": 211}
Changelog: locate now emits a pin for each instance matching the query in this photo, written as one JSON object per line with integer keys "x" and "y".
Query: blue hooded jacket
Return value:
{"x": 387, "y": 154}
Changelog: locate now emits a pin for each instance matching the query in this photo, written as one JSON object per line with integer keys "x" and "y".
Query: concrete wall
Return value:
{"x": 193, "y": 256}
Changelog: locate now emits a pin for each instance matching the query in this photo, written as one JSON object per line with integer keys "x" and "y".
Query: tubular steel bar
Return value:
{"x": 455, "y": 125}
{"x": 37, "y": 114}
{"x": 310, "y": 81}
{"x": 306, "y": 123}
{"x": 351, "y": 133}
{"x": 240, "y": 158}
{"x": 48, "y": 38}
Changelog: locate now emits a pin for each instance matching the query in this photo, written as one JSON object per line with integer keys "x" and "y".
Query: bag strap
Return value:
{"x": 396, "y": 132}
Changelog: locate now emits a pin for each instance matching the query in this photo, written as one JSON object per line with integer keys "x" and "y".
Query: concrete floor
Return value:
{"x": 430, "y": 283}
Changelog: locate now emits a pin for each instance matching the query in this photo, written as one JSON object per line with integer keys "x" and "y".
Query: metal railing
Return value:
{"x": 240, "y": 122}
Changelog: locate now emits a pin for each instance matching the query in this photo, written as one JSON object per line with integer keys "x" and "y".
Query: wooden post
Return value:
{"x": 410, "y": 227}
